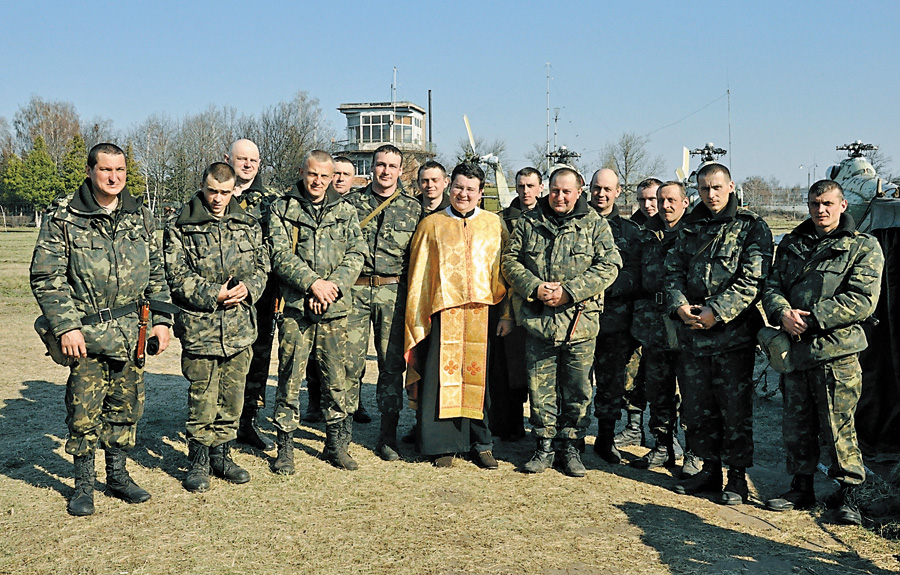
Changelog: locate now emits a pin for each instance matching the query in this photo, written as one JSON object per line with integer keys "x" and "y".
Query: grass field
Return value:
{"x": 386, "y": 518}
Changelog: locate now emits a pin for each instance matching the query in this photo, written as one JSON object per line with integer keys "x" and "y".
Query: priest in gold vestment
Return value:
{"x": 454, "y": 280}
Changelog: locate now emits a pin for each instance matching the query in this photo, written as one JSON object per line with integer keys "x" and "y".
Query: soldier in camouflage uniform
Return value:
{"x": 714, "y": 278}
{"x": 433, "y": 182}
{"x": 96, "y": 256}
{"x": 559, "y": 260}
{"x": 824, "y": 283}
{"x": 317, "y": 252}
{"x": 255, "y": 200}
{"x": 216, "y": 265}
{"x": 379, "y": 295}
{"x": 617, "y": 354}
{"x": 659, "y": 342}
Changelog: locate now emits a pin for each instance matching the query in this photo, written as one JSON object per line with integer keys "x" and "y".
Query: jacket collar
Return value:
{"x": 613, "y": 214}
{"x": 543, "y": 205}
{"x": 846, "y": 227}
{"x": 299, "y": 192}
{"x": 702, "y": 213}
{"x": 195, "y": 211}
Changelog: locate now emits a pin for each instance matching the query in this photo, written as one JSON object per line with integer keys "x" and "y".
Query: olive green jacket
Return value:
{"x": 579, "y": 251}
{"x": 329, "y": 246}
{"x": 388, "y": 234}
{"x": 722, "y": 261}
{"x": 837, "y": 278}
{"x": 201, "y": 253}
{"x": 86, "y": 260}
{"x": 619, "y": 297}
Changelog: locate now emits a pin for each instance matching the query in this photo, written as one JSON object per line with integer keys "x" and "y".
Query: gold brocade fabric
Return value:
{"x": 454, "y": 266}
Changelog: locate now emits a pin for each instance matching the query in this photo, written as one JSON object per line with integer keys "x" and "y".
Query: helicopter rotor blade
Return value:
{"x": 503, "y": 192}
{"x": 469, "y": 131}
{"x": 683, "y": 171}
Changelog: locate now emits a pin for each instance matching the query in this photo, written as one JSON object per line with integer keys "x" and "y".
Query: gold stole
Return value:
{"x": 464, "y": 335}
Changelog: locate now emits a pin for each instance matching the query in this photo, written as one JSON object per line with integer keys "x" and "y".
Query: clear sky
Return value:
{"x": 803, "y": 76}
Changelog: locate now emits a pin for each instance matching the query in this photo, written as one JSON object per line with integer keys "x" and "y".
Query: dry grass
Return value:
{"x": 405, "y": 517}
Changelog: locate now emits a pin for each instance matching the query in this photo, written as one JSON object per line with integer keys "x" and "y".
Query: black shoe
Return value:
{"x": 659, "y": 456}
{"x": 387, "y": 448}
{"x": 707, "y": 481}
{"x": 633, "y": 432}
{"x": 81, "y": 502}
{"x": 249, "y": 433}
{"x": 337, "y": 442}
{"x": 691, "y": 465}
{"x": 118, "y": 482}
{"x": 284, "y": 463}
{"x": 197, "y": 480}
{"x": 848, "y": 508}
{"x": 224, "y": 467}
{"x": 736, "y": 490}
{"x": 801, "y": 495}
{"x": 361, "y": 415}
{"x": 605, "y": 447}
{"x": 572, "y": 465}
{"x": 542, "y": 458}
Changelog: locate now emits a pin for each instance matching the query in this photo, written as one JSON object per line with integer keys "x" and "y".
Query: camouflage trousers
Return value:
{"x": 382, "y": 309}
{"x": 215, "y": 396}
{"x": 717, "y": 405}
{"x": 635, "y": 398}
{"x": 258, "y": 373}
{"x": 104, "y": 401}
{"x": 821, "y": 402}
{"x": 617, "y": 358}
{"x": 659, "y": 377}
{"x": 559, "y": 386}
{"x": 297, "y": 338}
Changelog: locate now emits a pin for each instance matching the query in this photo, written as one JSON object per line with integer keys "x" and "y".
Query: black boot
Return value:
{"x": 572, "y": 465}
{"x": 633, "y": 432}
{"x": 542, "y": 458}
{"x": 335, "y": 451}
{"x": 118, "y": 482}
{"x": 197, "y": 479}
{"x": 736, "y": 490}
{"x": 81, "y": 502}
{"x": 848, "y": 510}
{"x": 387, "y": 448}
{"x": 224, "y": 467}
{"x": 802, "y": 495}
{"x": 707, "y": 481}
{"x": 284, "y": 463}
{"x": 248, "y": 432}
{"x": 663, "y": 455}
{"x": 361, "y": 415}
{"x": 605, "y": 446}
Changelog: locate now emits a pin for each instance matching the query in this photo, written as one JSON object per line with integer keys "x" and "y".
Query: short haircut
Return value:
{"x": 220, "y": 172}
{"x": 648, "y": 183}
{"x": 566, "y": 170}
{"x": 430, "y": 165}
{"x": 103, "y": 148}
{"x": 344, "y": 160}
{"x": 320, "y": 156}
{"x": 469, "y": 170}
{"x": 680, "y": 185}
{"x": 713, "y": 168}
{"x": 528, "y": 171}
{"x": 824, "y": 186}
{"x": 387, "y": 149}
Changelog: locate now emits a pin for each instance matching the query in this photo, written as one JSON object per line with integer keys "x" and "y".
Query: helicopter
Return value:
{"x": 493, "y": 162}
{"x": 708, "y": 153}
{"x": 873, "y": 203}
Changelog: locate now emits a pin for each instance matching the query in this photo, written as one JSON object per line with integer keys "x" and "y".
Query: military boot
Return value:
{"x": 542, "y": 458}
{"x": 691, "y": 465}
{"x": 802, "y": 495}
{"x": 633, "y": 432}
{"x": 248, "y": 431}
{"x": 848, "y": 509}
{"x": 284, "y": 463}
{"x": 224, "y": 467}
{"x": 118, "y": 482}
{"x": 572, "y": 465}
{"x": 197, "y": 479}
{"x": 663, "y": 455}
{"x": 81, "y": 502}
{"x": 708, "y": 480}
{"x": 387, "y": 448}
{"x": 605, "y": 446}
{"x": 335, "y": 450}
{"x": 736, "y": 490}
{"x": 361, "y": 415}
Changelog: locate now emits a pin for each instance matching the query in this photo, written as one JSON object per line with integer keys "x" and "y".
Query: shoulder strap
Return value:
{"x": 377, "y": 210}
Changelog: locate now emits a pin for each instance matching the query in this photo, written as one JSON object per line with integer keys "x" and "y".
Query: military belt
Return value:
{"x": 375, "y": 281}
{"x": 107, "y": 314}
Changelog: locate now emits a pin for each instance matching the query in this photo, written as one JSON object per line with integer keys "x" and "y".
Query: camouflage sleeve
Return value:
{"x": 862, "y": 286}
{"x": 187, "y": 285}
{"x": 256, "y": 283}
{"x": 49, "y": 264}
{"x": 605, "y": 265}
{"x": 158, "y": 288}
{"x": 774, "y": 299}
{"x": 676, "y": 275}
{"x": 753, "y": 267}
{"x": 629, "y": 279}
{"x": 519, "y": 277}
{"x": 291, "y": 269}
{"x": 346, "y": 273}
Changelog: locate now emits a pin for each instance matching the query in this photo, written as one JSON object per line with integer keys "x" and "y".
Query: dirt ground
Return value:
{"x": 403, "y": 517}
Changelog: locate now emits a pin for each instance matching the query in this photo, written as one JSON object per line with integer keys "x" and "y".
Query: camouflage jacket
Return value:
{"x": 721, "y": 261}
{"x": 648, "y": 325}
{"x": 579, "y": 251}
{"x": 445, "y": 203}
{"x": 388, "y": 234}
{"x": 617, "y": 308}
{"x": 201, "y": 253}
{"x": 837, "y": 278}
{"x": 86, "y": 260}
{"x": 512, "y": 213}
{"x": 257, "y": 200}
{"x": 330, "y": 246}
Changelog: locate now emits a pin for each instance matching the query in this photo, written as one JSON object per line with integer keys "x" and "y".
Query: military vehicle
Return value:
{"x": 873, "y": 203}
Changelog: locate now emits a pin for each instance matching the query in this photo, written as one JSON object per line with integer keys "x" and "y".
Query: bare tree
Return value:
{"x": 152, "y": 143}
{"x": 496, "y": 147}
{"x": 56, "y": 122}
{"x": 881, "y": 162}
{"x": 7, "y": 142}
{"x": 629, "y": 157}
{"x": 98, "y": 130}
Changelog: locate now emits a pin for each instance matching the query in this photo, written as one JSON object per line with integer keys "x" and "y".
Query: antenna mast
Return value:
{"x": 548, "y": 108}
